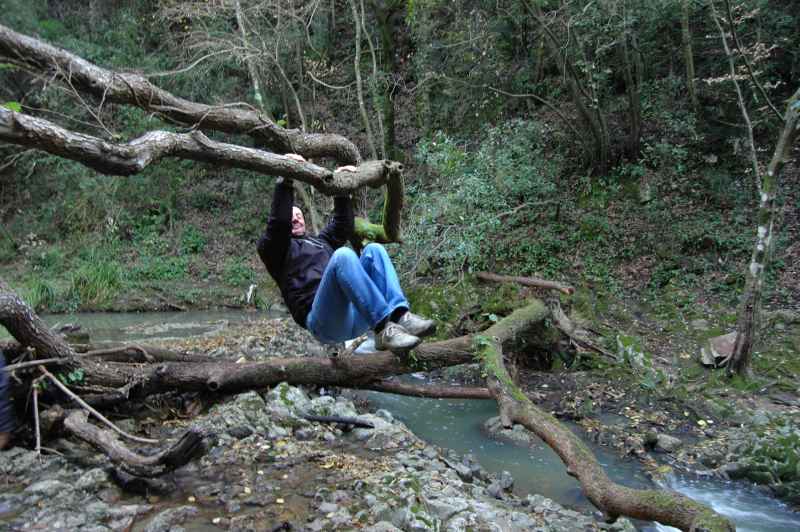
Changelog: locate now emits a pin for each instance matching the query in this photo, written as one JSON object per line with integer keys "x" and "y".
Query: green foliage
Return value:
{"x": 49, "y": 261}
{"x": 96, "y": 282}
{"x": 488, "y": 193}
{"x": 192, "y": 240}
{"x": 73, "y": 377}
{"x": 237, "y": 272}
{"x": 40, "y": 294}
{"x": 160, "y": 268}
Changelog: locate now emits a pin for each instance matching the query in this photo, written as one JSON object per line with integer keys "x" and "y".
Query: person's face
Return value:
{"x": 298, "y": 222}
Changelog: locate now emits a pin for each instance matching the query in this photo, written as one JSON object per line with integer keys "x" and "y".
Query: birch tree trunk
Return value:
{"x": 359, "y": 84}
{"x": 750, "y": 305}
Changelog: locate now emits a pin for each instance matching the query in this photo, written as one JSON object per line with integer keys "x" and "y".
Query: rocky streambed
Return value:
{"x": 268, "y": 468}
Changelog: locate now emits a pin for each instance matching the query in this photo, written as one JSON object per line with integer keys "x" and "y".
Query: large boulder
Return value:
{"x": 717, "y": 350}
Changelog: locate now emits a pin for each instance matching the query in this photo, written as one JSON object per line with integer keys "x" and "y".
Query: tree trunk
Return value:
{"x": 385, "y": 13}
{"x": 586, "y": 102}
{"x": 750, "y": 305}
{"x": 251, "y": 66}
{"x": 359, "y": 85}
{"x": 688, "y": 55}
{"x": 631, "y": 60}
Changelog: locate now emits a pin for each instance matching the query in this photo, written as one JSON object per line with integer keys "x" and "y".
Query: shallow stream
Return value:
{"x": 457, "y": 425}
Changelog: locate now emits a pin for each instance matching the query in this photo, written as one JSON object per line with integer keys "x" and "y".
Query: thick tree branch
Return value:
{"x": 29, "y": 329}
{"x": 132, "y": 157}
{"x": 135, "y": 89}
{"x": 433, "y": 391}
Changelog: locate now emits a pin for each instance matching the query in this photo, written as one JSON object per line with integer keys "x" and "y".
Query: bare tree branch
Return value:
{"x": 747, "y": 65}
{"x": 135, "y": 89}
{"x": 132, "y": 157}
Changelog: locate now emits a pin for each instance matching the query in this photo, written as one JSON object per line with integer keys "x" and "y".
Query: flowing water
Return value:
{"x": 751, "y": 510}
{"x": 457, "y": 424}
{"x": 139, "y": 326}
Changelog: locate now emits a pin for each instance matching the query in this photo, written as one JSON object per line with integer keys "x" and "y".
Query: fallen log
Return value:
{"x": 526, "y": 281}
{"x": 351, "y": 421}
{"x": 614, "y": 500}
{"x": 360, "y": 372}
{"x": 433, "y": 391}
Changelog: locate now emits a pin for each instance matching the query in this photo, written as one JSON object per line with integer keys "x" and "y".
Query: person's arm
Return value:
{"x": 274, "y": 243}
{"x": 341, "y": 227}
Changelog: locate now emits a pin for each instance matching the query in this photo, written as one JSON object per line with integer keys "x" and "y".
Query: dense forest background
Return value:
{"x": 601, "y": 143}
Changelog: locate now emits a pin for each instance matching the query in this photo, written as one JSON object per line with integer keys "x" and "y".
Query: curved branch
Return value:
{"x": 614, "y": 500}
{"x": 135, "y": 89}
{"x": 186, "y": 448}
{"x": 134, "y": 156}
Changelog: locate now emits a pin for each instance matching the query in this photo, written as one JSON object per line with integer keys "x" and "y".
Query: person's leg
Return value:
{"x": 379, "y": 267}
{"x": 347, "y": 302}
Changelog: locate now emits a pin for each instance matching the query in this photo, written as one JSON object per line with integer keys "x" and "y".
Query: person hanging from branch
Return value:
{"x": 330, "y": 290}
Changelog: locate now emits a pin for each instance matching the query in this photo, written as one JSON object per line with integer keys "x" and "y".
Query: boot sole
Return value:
{"x": 399, "y": 349}
{"x": 425, "y": 333}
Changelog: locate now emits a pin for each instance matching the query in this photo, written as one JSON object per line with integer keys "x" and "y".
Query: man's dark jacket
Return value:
{"x": 297, "y": 263}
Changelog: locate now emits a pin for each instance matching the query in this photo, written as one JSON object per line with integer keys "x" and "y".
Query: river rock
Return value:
{"x": 717, "y": 350}
{"x": 667, "y": 443}
{"x": 382, "y": 526}
{"x": 291, "y": 397}
{"x": 463, "y": 471}
{"x": 495, "y": 490}
{"x": 506, "y": 481}
{"x": 240, "y": 432}
{"x": 166, "y": 520}
{"x": 47, "y": 488}
{"x": 328, "y": 507}
{"x": 93, "y": 480}
{"x": 517, "y": 434}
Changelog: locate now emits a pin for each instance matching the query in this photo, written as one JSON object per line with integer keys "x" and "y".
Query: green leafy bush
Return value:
{"x": 237, "y": 272}
{"x": 192, "y": 240}
{"x": 491, "y": 195}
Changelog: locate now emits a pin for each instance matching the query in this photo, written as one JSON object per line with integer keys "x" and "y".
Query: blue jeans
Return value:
{"x": 355, "y": 294}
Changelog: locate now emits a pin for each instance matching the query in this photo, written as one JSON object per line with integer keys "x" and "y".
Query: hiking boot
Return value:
{"x": 396, "y": 339}
{"x": 417, "y": 325}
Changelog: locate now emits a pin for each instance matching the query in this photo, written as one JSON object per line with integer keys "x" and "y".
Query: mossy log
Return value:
{"x": 614, "y": 500}
{"x": 388, "y": 230}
